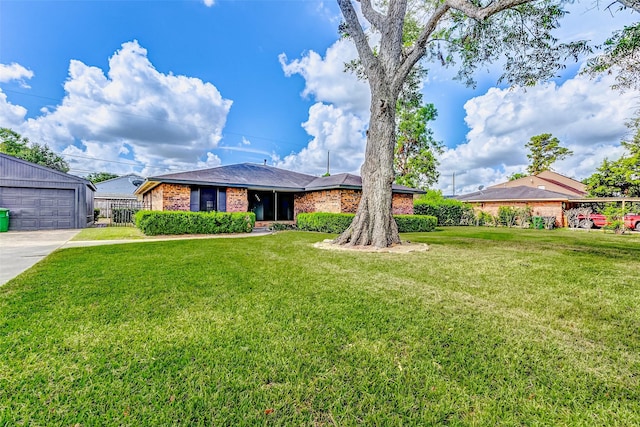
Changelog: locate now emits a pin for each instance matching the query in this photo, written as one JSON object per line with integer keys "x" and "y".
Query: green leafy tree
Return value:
{"x": 517, "y": 175}
{"x": 544, "y": 150}
{"x": 15, "y": 145}
{"x": 619, "y": 178}
{"x": 12, "y": 143}
{"x": 621, "y": 53}
{"x": 97, "y": 177}
{"x": 415, "y": 160}
{"x": 476, "y": 33}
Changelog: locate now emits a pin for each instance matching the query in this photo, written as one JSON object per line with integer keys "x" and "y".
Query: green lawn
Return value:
{"x": 489, "y": 327}
{"x": 109, "y": 233}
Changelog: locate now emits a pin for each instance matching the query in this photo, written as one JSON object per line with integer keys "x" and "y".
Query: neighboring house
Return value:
{"x": 273, "y": 194}
{"x": 541, "y": 202}
{"x": 116, "y": 191}
{"x": 40, "y": 198}
{"x": 547, "y": 194}
{"x": 550, "y": 181}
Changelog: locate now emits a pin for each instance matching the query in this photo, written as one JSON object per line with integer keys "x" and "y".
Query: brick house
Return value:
{"x": 547, "y": 194}
{"x": 273, "y": 194}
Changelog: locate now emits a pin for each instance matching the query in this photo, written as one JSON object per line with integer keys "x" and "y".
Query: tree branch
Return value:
{"x": 356, "y": 32}
{"x": 374, "y": 17}
{"x": 633, "y": 4}
{"x": 417, "y": 51}
{"x": 482, "y": 13}
{"x": 391, "y": 40}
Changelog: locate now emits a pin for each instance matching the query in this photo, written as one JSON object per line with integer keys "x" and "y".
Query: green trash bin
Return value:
{"x": 538, "y": 222}
{"x": 4, "y": 219}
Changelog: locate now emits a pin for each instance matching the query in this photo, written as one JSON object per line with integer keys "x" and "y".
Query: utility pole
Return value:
{"x": 454, "y": 184}
{"x": 327, "y": 174}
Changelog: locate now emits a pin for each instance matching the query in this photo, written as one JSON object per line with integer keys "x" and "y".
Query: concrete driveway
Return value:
{"x": 19, "y": 250}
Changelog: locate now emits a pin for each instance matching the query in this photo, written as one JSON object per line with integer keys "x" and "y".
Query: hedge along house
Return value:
{"x": 273, "y": 194}
{"x": 40, "y": 198}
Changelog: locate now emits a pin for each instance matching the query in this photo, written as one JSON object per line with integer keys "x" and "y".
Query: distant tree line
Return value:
{"x": 13, "y": 144}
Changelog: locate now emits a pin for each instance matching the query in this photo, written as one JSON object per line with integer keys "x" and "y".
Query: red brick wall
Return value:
{"x": 153, "y": 198}
{"x": 237, "y": 199}
{"x": 316, "y": 201}
{"x": 349, "y": 200}
{"x": 176, "y": 197}
{"x": 344, "y": 201}
{"x": 402, "y": 204}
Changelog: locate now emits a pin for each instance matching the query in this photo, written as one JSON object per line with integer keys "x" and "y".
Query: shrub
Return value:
{"x": 153, "y": 223}
{"x": 336, "y": 223}
{"x": 416, "y": 223}
{"x": 549, "y": 222}
{"x": 507, "y": 216}
{"x": 447, "y": 211}
{"x": 524, "y": 217}
{"x": 485, "y": 218}
{"x": 281, "y": 226}
{"x": 96, "y": 214}
{"x": 615, "y": 219}
{"x": 324, "y": 222}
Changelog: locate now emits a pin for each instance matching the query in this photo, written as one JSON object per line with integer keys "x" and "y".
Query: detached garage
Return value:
{"x": 40, "y": 198}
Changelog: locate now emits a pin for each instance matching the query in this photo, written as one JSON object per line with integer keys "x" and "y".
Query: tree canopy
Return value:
{"x": 544, "y": 150}
{"x": 474, "y": 33}
{"x": 97, "y": 177}
{"x": 415, "y": 160}
{"x": 619, "y": 178}
{"x": 13, "y": 144}
{"x": 621, "y": 54}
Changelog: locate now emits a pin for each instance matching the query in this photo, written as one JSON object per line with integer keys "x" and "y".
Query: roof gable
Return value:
{"x": 125, "y": 184}
{"x": 14, "y": 168}
{"x": 548, "y": 180}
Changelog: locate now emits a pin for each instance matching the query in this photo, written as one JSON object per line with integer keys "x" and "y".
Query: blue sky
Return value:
{"x": 159, "y": 86}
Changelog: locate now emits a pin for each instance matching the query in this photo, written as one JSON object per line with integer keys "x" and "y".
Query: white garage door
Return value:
{"x": 38, "y": 208}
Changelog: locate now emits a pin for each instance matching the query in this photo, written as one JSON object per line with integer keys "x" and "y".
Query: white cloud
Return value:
{"x": 161, "y": 121}
{"x": 326, "y": 81}
{"x": 334, "y": 130}
{"x": 11, "y": 116}
{"x": 339, "y": 118}
{"x": 585, "y": 115}
{"x": 245, "y": 141}
{"x": 208, "y": 3}
{"x": 15, "y": 72}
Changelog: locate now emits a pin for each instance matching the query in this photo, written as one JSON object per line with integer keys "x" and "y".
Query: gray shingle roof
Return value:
{"x": 121, "y": 186}
{"x": 241, "y": 175}
{"x": 347, "y": 180}
{"x": 522, "y": 193}
{"x": 255, "y": 176}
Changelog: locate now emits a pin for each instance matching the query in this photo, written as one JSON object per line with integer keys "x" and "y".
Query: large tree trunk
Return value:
{"x": 386, "y": 70}
{"x": 374, "y": 223}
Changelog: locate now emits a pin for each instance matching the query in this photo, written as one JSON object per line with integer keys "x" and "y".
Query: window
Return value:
{"x": 207, "y": 199}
